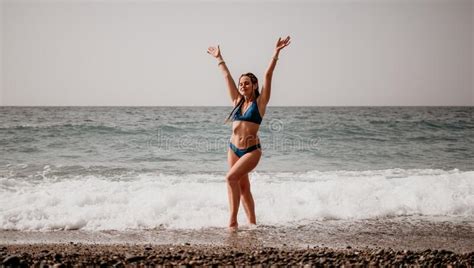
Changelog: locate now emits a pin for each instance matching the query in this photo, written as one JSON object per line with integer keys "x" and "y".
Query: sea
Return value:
{"x": 127, "y": 169}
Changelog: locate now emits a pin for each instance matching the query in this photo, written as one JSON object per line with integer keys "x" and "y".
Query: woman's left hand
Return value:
{"x": 282, "y": 43}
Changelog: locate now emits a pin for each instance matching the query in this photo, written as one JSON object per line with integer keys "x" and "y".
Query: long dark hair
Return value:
{"x": 254, "y": 80}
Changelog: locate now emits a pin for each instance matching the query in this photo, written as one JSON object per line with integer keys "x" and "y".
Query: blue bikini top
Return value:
{"x": 251, "y": 115}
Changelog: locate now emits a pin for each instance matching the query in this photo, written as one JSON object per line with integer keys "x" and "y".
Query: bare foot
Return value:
{"x": 252, "y": 226}
{"x": 233, "y": 226}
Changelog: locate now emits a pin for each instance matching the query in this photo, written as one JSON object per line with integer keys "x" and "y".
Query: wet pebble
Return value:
{"x": 11, "y": 261}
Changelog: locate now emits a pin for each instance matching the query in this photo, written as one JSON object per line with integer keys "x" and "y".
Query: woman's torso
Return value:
{"x": 245, "y": 133}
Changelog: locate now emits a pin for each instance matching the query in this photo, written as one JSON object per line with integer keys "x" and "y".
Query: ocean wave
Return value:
{"x": 445, "y": 125}
{"x": 422, "y": 124}
{"x": 82, "y": 128}
{"x": 190, "y": 201}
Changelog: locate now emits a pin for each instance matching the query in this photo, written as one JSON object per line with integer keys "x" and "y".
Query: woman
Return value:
{"x": 244, "y": 148}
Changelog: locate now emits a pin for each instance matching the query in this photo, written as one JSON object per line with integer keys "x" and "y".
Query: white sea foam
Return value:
{"x": 200, "y": 200}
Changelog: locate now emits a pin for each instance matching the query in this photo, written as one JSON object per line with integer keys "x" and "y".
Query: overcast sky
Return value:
{"x": 360, "y": 52}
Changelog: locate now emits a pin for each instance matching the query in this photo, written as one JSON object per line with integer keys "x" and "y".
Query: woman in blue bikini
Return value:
{"x": 244, "y": 148}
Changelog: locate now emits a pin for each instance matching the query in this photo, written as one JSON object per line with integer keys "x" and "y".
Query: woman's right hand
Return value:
{"x": 214, "y": 51}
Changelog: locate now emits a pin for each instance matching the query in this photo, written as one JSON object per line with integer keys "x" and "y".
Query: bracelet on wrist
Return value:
{"x": 221, "y": 62}
{"x": 275, "y": 58}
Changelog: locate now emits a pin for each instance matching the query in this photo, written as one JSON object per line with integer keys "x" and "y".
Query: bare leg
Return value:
{"x": 247, "y": 199}
{"x": 231, "y": 159}
{"x": 241, "y": 167}
{"x": 233, "y": 191}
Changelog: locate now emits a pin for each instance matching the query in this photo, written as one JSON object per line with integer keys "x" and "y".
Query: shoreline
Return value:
{"x": 399, "y": 233}
{"x": 376, "y": 242}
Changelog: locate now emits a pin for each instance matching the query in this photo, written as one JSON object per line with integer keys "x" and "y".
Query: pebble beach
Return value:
{"x": 382, "y": 242}
{"x": 81, "y": 255}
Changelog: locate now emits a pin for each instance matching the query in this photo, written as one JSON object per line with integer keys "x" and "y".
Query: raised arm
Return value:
{"x": 233, "y": 91}
{"x": 267, "y": 79}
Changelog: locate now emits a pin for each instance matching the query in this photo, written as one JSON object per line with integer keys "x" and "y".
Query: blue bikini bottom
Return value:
{"x": 242, "y": 152}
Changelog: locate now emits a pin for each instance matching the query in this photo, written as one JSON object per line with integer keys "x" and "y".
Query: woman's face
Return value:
{"x": 245, "y": 86}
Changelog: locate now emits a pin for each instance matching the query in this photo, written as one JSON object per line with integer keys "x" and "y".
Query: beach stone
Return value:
{"x": 43, "y": 256}
{"x": 43, "y": 264}
{"x": 134, "y": 258}
{"x": 58, "y": 256}
{"x": 11, "y": 260}
{"x": 118, "y": 264}
{"x": 239, "y": 254}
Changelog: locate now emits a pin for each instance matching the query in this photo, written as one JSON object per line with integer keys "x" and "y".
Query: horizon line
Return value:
{"x": 33, "y": 106}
